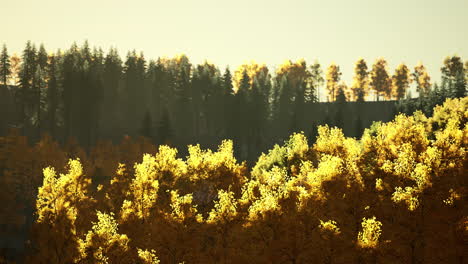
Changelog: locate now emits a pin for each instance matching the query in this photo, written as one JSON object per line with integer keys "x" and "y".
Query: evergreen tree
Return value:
{"x": 112, "y": 107}
{"x": 147, "y": 126}
{"x": 25, "y": 94}
{"x": 53, "y": 93}
{"x": 315, "y": 81}
{"x": 41, "y": 86}
{"x": 5, "y": 64}
{"x": 164, "y": 130}
{"x": 228, "y": 96}
{"x": 71, "y": 81}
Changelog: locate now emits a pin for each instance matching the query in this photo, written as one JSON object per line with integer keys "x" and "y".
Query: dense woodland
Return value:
{"x": 397, "y": 195}
{"x": 86, "y": 94}
{"x": 105, "y": 160}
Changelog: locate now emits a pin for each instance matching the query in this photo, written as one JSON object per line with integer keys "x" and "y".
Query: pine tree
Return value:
{"x": 228, "y": 96}
{"x": 315, "y": 81}
{"x": 52, "y": 93}
{"x": 25, "y": 95}
{"x": 147, "y": 126}
{"x": 5, "y": 64}
{"x": 112, "y": 114}
{"x": 164, "y": 130}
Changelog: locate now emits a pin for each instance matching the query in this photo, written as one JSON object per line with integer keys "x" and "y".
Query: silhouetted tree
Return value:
{"x": 5, "y": 64}
{"x": 147, "y": 126}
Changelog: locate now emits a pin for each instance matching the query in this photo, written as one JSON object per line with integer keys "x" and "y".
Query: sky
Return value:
{"x": 234, "y": 32}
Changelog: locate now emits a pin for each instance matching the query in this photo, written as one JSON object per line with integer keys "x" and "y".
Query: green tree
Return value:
{"x": 112, "y": 83}
{"x": 5, "y": 69}
{"x": 316, "y": 80}
{"x": 25, "y": 95}
{"x": 147, "y": 126}
{"x": 164, "y": 129}
{"x": 228, "y": 96}
{"x": 453, "y": 75}
{"x": 53, "y": 93}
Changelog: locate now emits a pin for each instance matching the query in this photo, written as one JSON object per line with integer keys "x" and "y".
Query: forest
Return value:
{"x": 397, "y": 195}
{"x": 91, "y": 96}
{"x": 162, "y": 161}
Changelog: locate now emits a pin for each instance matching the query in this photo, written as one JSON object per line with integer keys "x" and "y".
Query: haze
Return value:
{"x": 233, "y": 32}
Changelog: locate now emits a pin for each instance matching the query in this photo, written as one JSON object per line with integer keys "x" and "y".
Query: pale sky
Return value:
{"x": 233, "y": 32}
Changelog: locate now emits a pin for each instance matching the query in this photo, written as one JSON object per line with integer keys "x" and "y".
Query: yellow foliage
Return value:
{"x": 103, "y": 243}
{"x": 370, "y": 234}
{"x": 148, "y": 257}
{"x": 144, "y": 189}
{"x": 253, "y": 70}
{"x": 225, "y": 208}
{"x": 329, "y": 226}
{"x": 182, "y": 207}
{"x": 408, "y": 195}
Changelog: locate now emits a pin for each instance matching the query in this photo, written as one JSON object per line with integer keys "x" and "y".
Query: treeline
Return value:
{"x": 89, "y": 95}
{"x": 397, "y": 195}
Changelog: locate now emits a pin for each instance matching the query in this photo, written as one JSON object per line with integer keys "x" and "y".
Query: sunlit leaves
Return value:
{"x": 370, "y": 234}
{"x": 333, "y": 76}
{"x": 103, "y": 243}
{"x": 148, "y": 256}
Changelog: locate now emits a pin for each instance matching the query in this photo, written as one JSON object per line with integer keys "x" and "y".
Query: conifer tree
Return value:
{"x": 5, "y": 64}
{"x": 316, "y": 81}
{"x": 25, "y": 94}
{"x": 147, "y": 124}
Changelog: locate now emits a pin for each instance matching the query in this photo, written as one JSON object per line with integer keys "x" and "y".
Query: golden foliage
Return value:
{"x": 370, "y": 234}
{"x": 209, "y": 208}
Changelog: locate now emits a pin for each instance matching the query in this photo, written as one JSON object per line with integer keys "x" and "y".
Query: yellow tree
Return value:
{"x": 222, "y": 220}
{"x": 360, "y": 86}
{"x": 253, "y": 69}
{"x": 380, "y": 81}
{"x": 208, "y": 172}
{"x": 400, "y": 80}
{"x": 333, "y": 76}
{"x": 144, "y": 190}
{"x": 58, "y": 203}
{"x": 103, "y": 243}
{"x": 15, "y": 64}
{"x": 422, "y": 79}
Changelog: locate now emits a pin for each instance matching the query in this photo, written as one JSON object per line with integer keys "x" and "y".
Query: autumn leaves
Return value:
{"x": 342, "y": 200}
